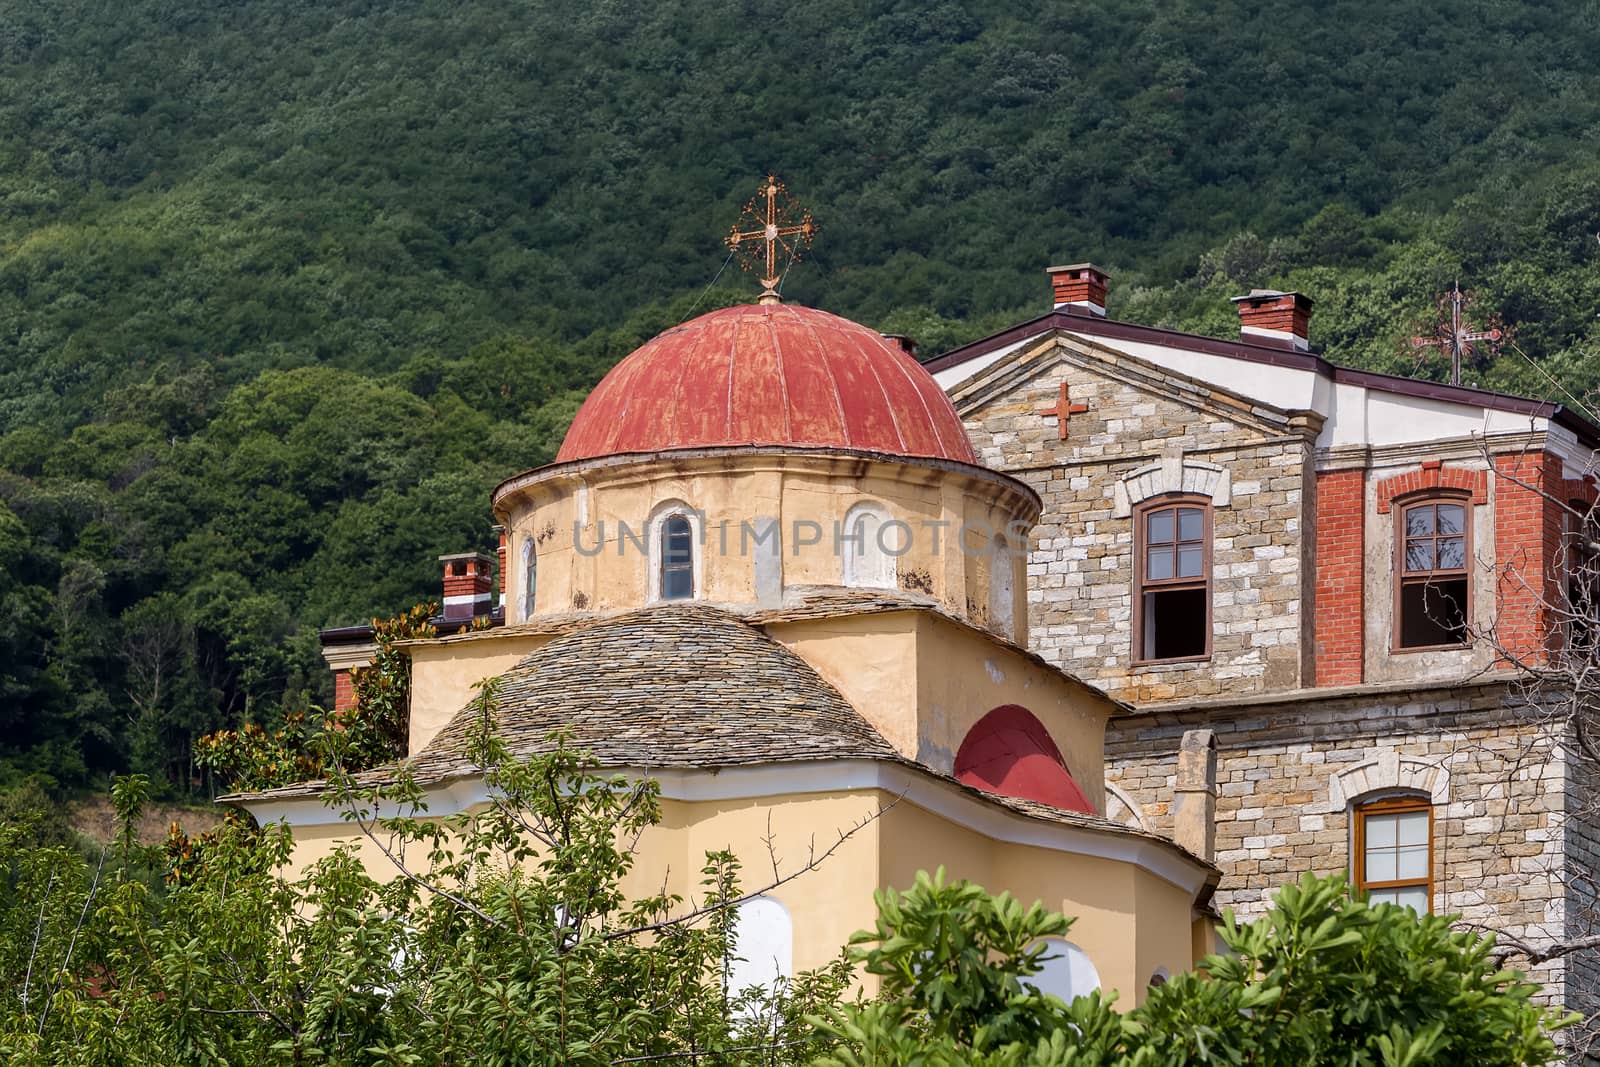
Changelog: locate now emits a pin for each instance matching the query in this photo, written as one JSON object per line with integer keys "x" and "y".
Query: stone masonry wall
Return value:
{"x": 1583, "y": 899}
{"x": 1254, "y": 464}
{"x": 1287, "y": 773}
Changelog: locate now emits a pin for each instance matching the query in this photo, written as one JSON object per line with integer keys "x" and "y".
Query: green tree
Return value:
{"x": 506, "y": 939}
{"x": 1322, "y": 978}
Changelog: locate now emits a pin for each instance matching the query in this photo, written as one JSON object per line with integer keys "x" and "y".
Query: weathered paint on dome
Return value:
{"x": 775, "y": 375}
{"x": 1010, "y": 752}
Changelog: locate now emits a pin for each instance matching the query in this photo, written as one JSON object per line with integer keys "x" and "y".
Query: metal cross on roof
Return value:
{"x": 1453, "y": 334}
{"x": 774, "y": 221}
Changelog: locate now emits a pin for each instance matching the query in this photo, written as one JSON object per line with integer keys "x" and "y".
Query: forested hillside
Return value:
{"x": 286, "y": 286}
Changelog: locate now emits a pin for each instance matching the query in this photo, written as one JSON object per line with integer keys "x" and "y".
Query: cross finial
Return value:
{"x": 773, "y": 222}
{"x": 1453, "y": 334}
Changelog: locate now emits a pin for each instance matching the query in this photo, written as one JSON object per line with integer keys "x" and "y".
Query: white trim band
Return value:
{"x": 945, "y": 799}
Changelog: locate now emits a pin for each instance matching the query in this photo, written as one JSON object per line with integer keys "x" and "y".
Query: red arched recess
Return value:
{"x": 1009, "y": 752}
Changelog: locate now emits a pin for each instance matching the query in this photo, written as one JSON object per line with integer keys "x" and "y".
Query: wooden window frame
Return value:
{"x": 1393, "y": 805}
{"x": 1401, "y": 577}
{"x": 1141, "y": 584}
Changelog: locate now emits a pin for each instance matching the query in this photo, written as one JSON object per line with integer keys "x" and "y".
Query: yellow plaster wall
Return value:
{"x": 925, "y": 681}
{"x": 566, "y": 513}
{"x": 1128, "y": 921}
{"x": 871, "y": 660}
{"x": 961, "y": 677}
{"x": 827, "y": 905}
{"x": 1115, "y": 905}
{"x": 444, "y": 672}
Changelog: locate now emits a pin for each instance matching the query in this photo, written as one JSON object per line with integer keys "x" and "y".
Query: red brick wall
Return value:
{"x": 1527, "y": 551}
{"x": 1338, "y": 598}
{"x": 1071, "y": 287}
{"x": 1287, "y": 319}
{"x": 344, "y": 691}
{"x": 1433, "y": 475}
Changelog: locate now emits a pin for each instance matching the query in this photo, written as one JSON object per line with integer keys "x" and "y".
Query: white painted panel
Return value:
{"x": 1283, "y": 387}
{"x": 763, "y": 946}
{"x": 868, "y": 549}
{"x": 1071, "y": 974}
{"x": 950, "y": 377}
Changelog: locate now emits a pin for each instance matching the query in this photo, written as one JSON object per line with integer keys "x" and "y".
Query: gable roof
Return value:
{"x": 1031, "y": 361}
{"x": 1268, "y": 355}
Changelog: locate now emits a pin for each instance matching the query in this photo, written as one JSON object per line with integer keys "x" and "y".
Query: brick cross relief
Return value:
{"x": 1063, "y": 411}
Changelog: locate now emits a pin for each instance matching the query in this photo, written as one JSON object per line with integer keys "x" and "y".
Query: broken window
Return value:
{"x": 1172, "y": 603}
{"x": 677, "y": 559}
{"x": 1435, "y": 586}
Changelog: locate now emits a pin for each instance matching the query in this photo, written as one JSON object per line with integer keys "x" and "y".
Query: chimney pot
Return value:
{"x": 1267, "y": 316}
{"x": 1079, "y": 288}
{"x": 468, "y": 586}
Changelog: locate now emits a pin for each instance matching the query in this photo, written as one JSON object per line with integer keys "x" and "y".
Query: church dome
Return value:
{"x": 768, "y": 375}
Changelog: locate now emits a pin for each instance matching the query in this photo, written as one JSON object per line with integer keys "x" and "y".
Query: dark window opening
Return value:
{"x": 1583, "y": 579}
{"x": 1175, "y": 623}
{"x": 1173, "y": 600}
{"x": 677, "y": 559}
{"x": 1582, "y": 604}
{"x": 1433, "y": 613}
{"x": 1434, "y": 554}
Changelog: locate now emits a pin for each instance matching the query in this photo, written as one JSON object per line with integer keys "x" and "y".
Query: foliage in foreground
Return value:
{"x": 1321, "y": 979}
{"x": 507, "y": 939}
{"x": 369, "y": 733}
{"x": 506, "y": 936}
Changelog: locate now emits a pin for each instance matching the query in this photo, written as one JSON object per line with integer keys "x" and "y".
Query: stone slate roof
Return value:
{"x": 687, "y": 686}
{"x": 675, "y": 685}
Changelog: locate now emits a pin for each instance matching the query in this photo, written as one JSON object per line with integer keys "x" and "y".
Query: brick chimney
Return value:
{"x": 1267, "y": 316}
{"x": 468, "y": 586}
{"x": 1079, "y": 288}
{"x": 903, "y": 343}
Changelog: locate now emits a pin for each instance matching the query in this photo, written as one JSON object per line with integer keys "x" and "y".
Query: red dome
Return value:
{"x": 768, "y": 375}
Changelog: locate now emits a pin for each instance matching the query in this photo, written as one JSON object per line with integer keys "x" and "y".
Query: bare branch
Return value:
{"x": 813, "y": 861}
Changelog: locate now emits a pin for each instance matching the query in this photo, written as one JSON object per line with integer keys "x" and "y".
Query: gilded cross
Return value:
{"x": 779, "y": 225}
{"x": 1063, "y": 411}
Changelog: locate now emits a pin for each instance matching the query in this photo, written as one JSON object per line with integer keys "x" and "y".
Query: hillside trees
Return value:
{"x": 286, "y": 287}
{"x": 165, "y": 568}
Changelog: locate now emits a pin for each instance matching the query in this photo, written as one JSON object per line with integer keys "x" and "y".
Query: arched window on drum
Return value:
{"x": 865, "y": 547}
{"x": 530, "y": 575}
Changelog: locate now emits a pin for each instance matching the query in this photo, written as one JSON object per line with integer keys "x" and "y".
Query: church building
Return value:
{"x": 1137, "y": 623}
{"x": 768, "y": 569}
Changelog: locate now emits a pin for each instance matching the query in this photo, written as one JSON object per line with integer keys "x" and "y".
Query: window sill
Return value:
{"x": 1395, "y": 650}
{"x": 1179, "y": 661}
